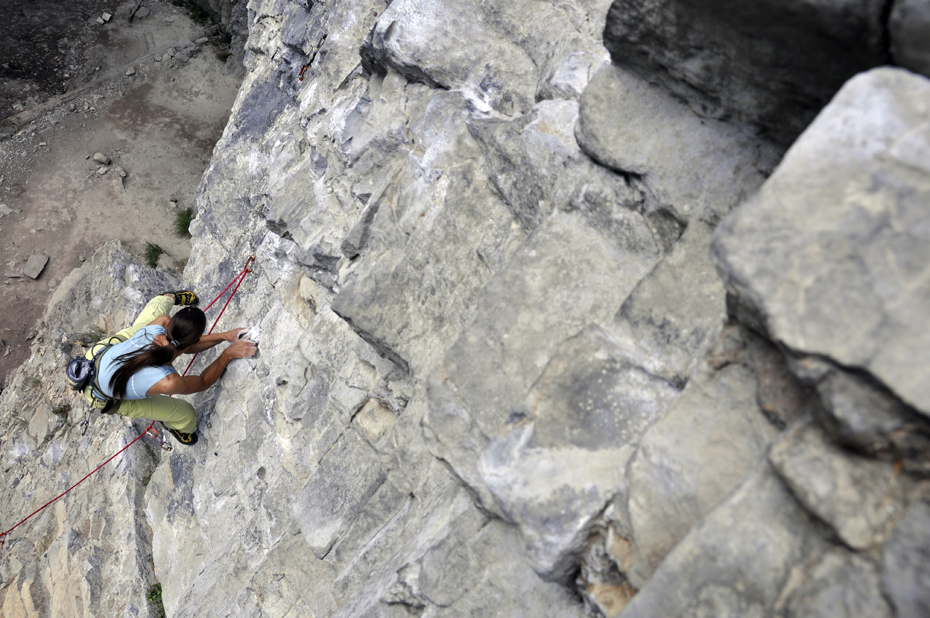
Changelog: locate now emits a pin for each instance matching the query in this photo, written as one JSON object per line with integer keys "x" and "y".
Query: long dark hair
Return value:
{"x": 184, "y": 330}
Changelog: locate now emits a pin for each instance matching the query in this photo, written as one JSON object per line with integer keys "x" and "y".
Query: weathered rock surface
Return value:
{"x": 909, "y": 30}
{"x": 35, "y": 265}
{"x": 858, "y": 497}
{"x": 842, "y": 585}
{"x": 498, "y": 372}
{"x": 832, "y": 256}
{"x": 736, "y": 560}
{"x": 710, "y": 440}
{"x": 774, "y": 64}
{"x": 905, "y": 563}
{"x": 89, "y": 553}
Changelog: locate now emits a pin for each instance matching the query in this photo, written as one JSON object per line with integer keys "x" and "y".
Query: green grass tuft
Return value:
{"x": 182, "y": 221}
{"x": 152, "y": 253}
{"x": 90, "y": 337}
{"x": 199, "y": 15}
{"x": 154, "y": 597}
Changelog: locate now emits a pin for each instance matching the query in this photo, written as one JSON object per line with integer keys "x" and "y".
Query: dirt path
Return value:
{"x": 157, "y": 125}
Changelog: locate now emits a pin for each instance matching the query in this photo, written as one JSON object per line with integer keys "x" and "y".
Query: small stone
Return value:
{"x": 100, "y": 21}
{"x": 201, "y": 40}
{"x": 171, "y": 52}
{"x": 101, "y": 158}
{"x": 5, "y": 210}
{"x": 81, "y": 258}
{"x": 142, "y": 13}
{"x": 34, "y": 265}
{"x": 157, "y": 58}
{"x": 106, "y": 17}
{"x": 122, "y": 173}
{"x": 102, "y": 170}
{"x": 71, "y": 107}
{"x": 130, "y": 71}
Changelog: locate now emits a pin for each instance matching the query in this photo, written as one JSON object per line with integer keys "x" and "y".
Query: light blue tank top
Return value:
{"x": 142, "y": 380}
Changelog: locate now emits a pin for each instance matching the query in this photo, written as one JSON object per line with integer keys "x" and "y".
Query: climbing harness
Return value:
{"x": 149, "y": 431}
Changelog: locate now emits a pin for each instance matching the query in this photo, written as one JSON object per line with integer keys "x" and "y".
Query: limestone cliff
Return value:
{"x": 544, "y": 329}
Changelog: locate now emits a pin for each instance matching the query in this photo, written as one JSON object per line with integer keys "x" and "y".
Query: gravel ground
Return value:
{"x": 152, "y": 95}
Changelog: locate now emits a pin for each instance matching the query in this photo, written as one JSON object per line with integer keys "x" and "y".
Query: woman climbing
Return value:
{"x": 135, "y": 377}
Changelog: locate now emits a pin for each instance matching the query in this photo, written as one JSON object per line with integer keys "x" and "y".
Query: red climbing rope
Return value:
{"x": 238, "y": 281}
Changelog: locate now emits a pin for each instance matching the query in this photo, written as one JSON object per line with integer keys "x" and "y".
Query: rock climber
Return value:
{"x": 135, "y": 377}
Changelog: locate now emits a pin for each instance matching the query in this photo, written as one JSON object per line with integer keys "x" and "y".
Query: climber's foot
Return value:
{"x": 183, "y": 297}
{"x": 187, "y": 439}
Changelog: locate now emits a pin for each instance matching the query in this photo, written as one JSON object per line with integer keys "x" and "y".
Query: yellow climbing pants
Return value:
{"x": 173, "y": 413}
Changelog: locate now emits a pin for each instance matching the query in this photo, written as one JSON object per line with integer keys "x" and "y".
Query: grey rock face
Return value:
{"x": 755, "y": 537}
{"x": 858, "y": 497}
{"x": 94, "y": 545}
{"x": 698, "y": 168}
{"x": 350, "y": 474}
{"x": 497, "y": 372}
{"x": 35, "y": 265}
{"x": 710, "y": 440}
{"x": 841, "y": 585}
{"x": 905, "y": 563}
{"x": 864, "y": 416}
{"x": 909, "y": 29}
{"x": 669, "y": 321}
{"x": 774, "y": 64}
{"x": 830, "y": 257}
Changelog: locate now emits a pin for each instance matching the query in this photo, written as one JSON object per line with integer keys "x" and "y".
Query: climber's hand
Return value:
{"x": 241, "y": 349}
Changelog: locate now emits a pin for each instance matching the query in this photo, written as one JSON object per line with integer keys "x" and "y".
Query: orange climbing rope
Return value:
{"x": 236, "y": 280}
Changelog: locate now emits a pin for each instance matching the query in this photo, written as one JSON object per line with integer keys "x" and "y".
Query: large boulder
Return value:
{"x": 831, "y": 255}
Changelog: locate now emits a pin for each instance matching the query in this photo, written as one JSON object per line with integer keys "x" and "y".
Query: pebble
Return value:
{"x": 201, "y": 40}
{"x": 122, "y": 173}
{"x": 101, "y": 158}
{"x": 141, "y": 13}
{"x": 102, "y": 170}
{"x": 130, "y": 71}
{"x": 106, "y": 17}
{"x": 100, "y": 21}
